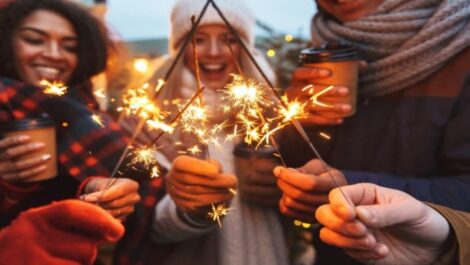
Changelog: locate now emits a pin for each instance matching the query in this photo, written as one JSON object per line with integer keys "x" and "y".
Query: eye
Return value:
{"x": 70, "y": 47}
{"x": 199, "y": 40}
{"x": 32, "y": 40}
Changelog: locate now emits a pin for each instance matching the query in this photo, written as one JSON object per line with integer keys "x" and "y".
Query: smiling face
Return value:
{"x": 216, "y": 62}
{"x": 45, "y": 47}
{"x": 348, "y": 10}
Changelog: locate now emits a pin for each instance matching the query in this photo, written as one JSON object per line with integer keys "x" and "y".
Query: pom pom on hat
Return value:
{"x": 237, "y": 13}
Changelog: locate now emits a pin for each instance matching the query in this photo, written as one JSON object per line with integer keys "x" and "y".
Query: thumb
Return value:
{"x": 384, "y": 215}
{"x": 82, "y": 218}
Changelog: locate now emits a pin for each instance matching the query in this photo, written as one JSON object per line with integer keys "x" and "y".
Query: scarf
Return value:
{"x": 403, "y": 41}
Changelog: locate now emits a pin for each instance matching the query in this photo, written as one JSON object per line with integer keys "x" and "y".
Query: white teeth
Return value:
{"x": 213, "y": 67}
{"x": 48, "y": 70}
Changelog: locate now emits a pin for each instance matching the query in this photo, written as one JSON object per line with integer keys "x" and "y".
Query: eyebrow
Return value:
{"x": 41, "y": 32}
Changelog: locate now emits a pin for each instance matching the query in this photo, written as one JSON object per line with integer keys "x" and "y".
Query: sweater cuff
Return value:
{"x": 13, "y": 194}
{"x": 81, "y": 188}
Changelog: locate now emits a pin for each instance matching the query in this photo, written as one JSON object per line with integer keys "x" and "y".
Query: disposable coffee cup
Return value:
{"x": 248, "y": 157}
{"x": 40, "y": 130}
{"x": 343, "y": 62}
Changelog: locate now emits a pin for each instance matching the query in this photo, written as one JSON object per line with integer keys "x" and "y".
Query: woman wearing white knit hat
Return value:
{"x": 252, "y": 233}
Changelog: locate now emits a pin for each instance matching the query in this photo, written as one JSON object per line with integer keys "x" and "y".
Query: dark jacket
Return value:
{"x": 416, "y": 140}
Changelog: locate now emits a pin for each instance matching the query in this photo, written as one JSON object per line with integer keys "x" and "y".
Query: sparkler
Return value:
{"x": 217, "y": 212}
{"x": 54, "y": 88}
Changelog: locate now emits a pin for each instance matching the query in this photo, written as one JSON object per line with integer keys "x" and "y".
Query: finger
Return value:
{"x": 298, "y": 206}
{"x": 302, "y": 216}
{"x": 14, "y": 140}
{"x": 221, "y": 181}
{"x": 379, "y": 252}
{"x": 121, "y": 187}
{"x": 307, "y": 197}
{"x": 329, "y": 219}
{"x": 31, "y": 162}
{"x": 333, "y": 238}
{"x": 24, "y": 175}
{"x": 23, "y": 149}
{"x": 195, "y": 189}
{"x": 310, "y": 73}
{"x": 195, "y": 166}
{"x": 121, "y": 213}
{"x": 314, "y": 119}
{"x": 338, "y": 108}
{"x": 307, "y": 182}
{"x": 127, "y": 200}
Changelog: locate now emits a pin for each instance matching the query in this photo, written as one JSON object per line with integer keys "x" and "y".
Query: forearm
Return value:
{"x": 449, "y": 191}
{"x": 169, "y": 227}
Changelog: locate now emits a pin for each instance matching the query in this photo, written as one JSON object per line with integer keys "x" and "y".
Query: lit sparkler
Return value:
{"x": 97, "y": 119}
{"x": 218, "y": 212}
{"x": 54, "y": 88}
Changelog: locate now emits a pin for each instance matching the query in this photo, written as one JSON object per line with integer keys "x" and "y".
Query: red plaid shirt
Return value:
{"x": 85, "y": 148}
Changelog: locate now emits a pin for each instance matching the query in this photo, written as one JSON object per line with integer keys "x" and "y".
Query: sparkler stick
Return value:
{"x": 296, "y": 123}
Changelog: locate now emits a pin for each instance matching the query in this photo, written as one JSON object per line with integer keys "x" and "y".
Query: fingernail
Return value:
{"x": 339, "y": 121}
{"x": 346, "y": 108}
{"x": 277, "y": 171}
{"x": 343, "y": 90}
{"x": 90, "y": 198}
{"x": 324, "y": 72}
{"x": 46, "y": 157}
{"x": 38, "y": 145}
{"x": 24, "y": 137}
{"x": 363, "y": 213}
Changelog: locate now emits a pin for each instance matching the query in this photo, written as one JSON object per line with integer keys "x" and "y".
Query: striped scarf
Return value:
{"x": 404, "y": 41}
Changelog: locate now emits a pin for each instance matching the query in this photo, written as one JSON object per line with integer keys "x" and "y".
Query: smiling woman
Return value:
{"x": 57, "y": 41}
{"x": 45, "y": 48}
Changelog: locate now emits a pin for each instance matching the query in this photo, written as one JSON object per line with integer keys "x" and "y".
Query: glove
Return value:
{"x": 62, "y": 233}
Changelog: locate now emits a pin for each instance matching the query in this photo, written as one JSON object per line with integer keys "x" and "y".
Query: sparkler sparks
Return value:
{"x": 218, "y": 212}
{"x": 155, "y": 172}
{"x": 97, "y": 119}
{"x": 144, "y": 156}
{"x": 54, "y": 89}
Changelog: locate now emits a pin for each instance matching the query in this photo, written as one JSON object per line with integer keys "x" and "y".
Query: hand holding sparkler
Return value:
{"x": 329, "y": 102}
{"x": 118, "y": 200}
{"x": 306, "y": 188}
{"x": 197, "y": 185}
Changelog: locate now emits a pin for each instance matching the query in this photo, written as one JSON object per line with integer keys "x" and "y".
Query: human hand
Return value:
{"x": 61, "y": 233}
{"x": 257, "y": 183}
{"x": 383, "y": 226}
{"x": 306, "y": 188}
{"x": 14, "y": 168}
{"x": 118, "y": 199}
{"x": 194, "y": 185}
{"x": 334, "y": 98}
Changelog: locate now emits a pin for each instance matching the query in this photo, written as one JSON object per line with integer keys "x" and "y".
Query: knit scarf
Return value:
{"x": 403, "y": 41}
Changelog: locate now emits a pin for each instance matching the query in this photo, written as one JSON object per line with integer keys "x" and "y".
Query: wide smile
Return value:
{"x": 213, "y": 69}
{"x": 51, "y": 73}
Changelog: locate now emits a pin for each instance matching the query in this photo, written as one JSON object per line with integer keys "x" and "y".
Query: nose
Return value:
{"x": 53, "y": 51}
{"x": 215, "y": 48}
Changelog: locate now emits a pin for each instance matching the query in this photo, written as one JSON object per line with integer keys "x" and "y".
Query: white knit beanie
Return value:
{"x": 237, "y": 13}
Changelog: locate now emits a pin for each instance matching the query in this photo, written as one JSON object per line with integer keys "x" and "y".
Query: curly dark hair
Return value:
{"x": 93, "y": 41}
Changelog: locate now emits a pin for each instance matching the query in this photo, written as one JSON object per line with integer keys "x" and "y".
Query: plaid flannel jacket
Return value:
{"x": 85, "y": 148}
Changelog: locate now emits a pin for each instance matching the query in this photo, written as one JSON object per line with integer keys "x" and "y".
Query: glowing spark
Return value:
{"x": 157, "y": 124}
{"x": 144, "y": 156}
{"x": 65, "y": 124}
{"x": 218, "y": 212}
{"x": 294, "y": 110}
{"x": 97, "y": 119}
{"x": 53, "y": 89}
{"x": 233, "y": 191}
{"x": 194, "y": 150}
{"x": 159, "y": 85}
{"x": 316, "y": 101}
{"x": 100, "y": 93}
{"x": 244, "y": 94}
{"x": 155, "y": 172}
{"x": 325, "y": 136}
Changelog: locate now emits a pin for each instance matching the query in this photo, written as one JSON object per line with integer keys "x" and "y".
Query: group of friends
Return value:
{"x": 402, "y": 160}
